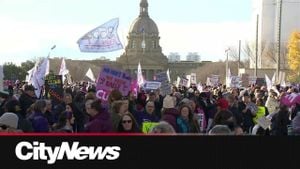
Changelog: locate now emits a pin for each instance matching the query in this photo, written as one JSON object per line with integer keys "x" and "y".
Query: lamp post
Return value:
{"x": 279, "y": 18}
{"x": 53, "y": 47}
{"x": 226, "y": 71}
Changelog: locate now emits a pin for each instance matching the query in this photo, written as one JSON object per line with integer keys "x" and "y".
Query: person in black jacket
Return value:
{"x": 248, "y": 109}
{"x": 280, "y": 121}
{"x": 13, "y": 106}
{"x": 27, "y": 98}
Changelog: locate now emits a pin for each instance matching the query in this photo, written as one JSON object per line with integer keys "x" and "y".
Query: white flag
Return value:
{"x": 188, "y": 77}
{"x": 90, "y": 75}
{"x": 268, "y": 82}
{"x": 30, "y": 75}
{"x": 1, "y": 77}
{"x": 274, "y": 79}
{"x": 102, "y": 39}
{"x": 228, "y": 78}
{"x": 140, "y": 78}
{"x": 168, "y": 74}
{"x": 63, "y": 70}
{"x": 38, "y": 79}
{"x": 178, "y": 81}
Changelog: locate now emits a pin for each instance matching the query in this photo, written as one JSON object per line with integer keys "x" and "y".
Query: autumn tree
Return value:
{"x": 294, "y": 57}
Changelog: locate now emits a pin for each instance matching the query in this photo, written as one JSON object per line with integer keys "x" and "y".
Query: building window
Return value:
{"x": 154, "y": 44}
{"x": 133, "y": 45}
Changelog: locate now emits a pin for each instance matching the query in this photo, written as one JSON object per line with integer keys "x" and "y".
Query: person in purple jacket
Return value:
{"x": 38, "y": 119}
{"x": 100, "y": 119}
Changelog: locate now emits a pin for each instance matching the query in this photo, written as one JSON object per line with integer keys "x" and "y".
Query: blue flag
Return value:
{"x": 102, "y": 39}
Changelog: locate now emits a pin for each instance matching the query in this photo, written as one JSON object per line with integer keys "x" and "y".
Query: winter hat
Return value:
{"x": 223, "y": 104}
{"x": 9, "y": 119}
{"x": 168, "y": 102}
{"x": 185, "y": 101}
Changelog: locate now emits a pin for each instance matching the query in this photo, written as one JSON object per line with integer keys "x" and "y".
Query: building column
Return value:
{"x": 147, "y": 74}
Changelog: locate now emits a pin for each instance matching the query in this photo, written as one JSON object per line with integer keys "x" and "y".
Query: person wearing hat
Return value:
{"x": 222, "y": 104}
{"x": 27, "y": 98}
{"x": 9, "y": 122}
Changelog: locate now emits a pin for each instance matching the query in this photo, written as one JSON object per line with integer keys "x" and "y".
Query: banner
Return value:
{"x": 165, "y": 87}
{"x": 109, "y": 79}
{"x": 54, "y": 88}
{"x": 184, "y": 82}
{"x": 252, "y": 80}
{"x": 152, "y": 85}
{"x": 214, "y": 80}
{"x": 235, "y": 81}
{"x": 193, "y": 78}
{"x": 102, "y": 39}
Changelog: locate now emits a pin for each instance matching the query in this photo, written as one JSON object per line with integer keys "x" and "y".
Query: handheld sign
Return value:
{"x": 110, "y": 79}
{"x": 54, "y": 88}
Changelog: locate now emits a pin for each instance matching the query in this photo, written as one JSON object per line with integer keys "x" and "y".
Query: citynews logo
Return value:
{"x": 39, "y": 151}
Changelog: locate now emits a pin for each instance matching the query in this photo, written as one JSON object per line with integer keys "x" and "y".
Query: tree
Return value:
{"x": 11, "y": 71}
{"x": 25, "y": 67}
{"x": 266, "y": 51}
{"x": 294, "y": 57}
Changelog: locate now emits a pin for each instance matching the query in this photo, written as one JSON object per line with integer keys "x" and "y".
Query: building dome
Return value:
{"x": 143, "y": 23}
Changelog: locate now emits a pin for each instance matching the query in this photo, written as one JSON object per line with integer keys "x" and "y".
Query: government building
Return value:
{"x": 143, "y": 46}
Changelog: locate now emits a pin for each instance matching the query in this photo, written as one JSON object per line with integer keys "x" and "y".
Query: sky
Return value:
{"x": 30, "y": 28}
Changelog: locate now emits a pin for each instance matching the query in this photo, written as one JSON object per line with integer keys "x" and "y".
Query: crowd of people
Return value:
{"x": 213, "y": 111}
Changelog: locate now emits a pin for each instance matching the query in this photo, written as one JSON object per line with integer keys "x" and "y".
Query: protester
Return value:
{"x": 220, "y": 130}
{"x": 280, "y": 121}
{"x": 186, "y": 122}
{"x": 9, "y": 123}
{"x": 118, "y": 109}
{"x": 27, "y": 98}
{"x": 65, "y": 122}
{"x": 100, "y": 119}
{"x": 128, "y": 124}
{"x": 13, "y": 106}
{"x": 162, "y": 127}
{"x": 38, "y": 119}
{"x": 148, "y": 115}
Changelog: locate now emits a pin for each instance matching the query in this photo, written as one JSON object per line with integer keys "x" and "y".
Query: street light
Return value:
{"x": 53, "y": 47}
{"x": 226, "y": 71}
